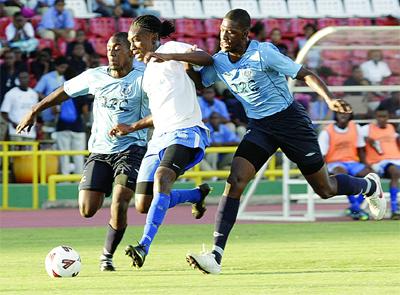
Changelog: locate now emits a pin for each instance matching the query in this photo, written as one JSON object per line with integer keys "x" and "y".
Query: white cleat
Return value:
{"x": 376, "y": 202}
{"x": 205, "y": 262}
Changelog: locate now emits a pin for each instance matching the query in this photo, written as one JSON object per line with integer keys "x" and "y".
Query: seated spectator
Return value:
{"x": 17, "y": 102}
{"x": 276, "y": 39}
{"x": 258, "y": 32}
{"x": 57, "y": 22}
{"x": 9, "y": 71}
{"x": 80, "y": 39}
{"x": 342, "y": 146}
{"x": 236, "y": 112}
{"x": 356, "y": 78}
{"x": 375, "y": 69}
{"x": 313, "y": 57}
{"x": 392, "y": 105}
{"x": 107, "y": 8}
{"x": 21, "y": 34}
{"x": 42, "y": 64}
{"x": 70, "y": 129}
{"x": 209, "y": 104}
{"x": 94, "y": 61}
{"x": 77, "y": 60}
{"x": 50, "y": 82}
{"x": 383, "y": 154}
{"x": 220, "y": 136}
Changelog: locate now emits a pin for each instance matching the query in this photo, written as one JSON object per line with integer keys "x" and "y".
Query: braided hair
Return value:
{"x": 154, "y": 25}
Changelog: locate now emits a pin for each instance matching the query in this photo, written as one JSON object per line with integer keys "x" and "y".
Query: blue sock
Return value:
{"x": 154, "y": 219}
{"x": 393, "y": 198}
{"x": 354, "y": 206}
{"x": 179, "y": 196}
{"x": 360, "y": 199}
{"x": 349, "y": 185}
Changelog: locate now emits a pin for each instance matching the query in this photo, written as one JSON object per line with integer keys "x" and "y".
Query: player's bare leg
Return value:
{"x": 90, "y": 202}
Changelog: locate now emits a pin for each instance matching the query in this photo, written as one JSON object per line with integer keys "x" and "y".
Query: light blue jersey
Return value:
{"x": 258, "y": 79}
{"x": 115, "y": 101}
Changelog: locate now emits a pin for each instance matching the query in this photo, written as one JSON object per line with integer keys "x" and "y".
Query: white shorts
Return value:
{"x": 381, "y": 166}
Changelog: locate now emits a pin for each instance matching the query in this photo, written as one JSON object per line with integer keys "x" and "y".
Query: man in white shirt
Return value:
{"x": 375, "y": 69}
{"x": 21, "y": 34}
{"x": 17, "y": 102}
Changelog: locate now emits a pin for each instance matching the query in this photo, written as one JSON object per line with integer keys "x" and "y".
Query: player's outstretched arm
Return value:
{"x": 53, "y": 99}
{"x": 124, "y": 129}
{"x": 316, "y": 84}
{"x": 199, "y": 58}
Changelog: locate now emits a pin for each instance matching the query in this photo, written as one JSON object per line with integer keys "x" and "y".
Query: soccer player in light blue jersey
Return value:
{"x": 179, "y": 137}
{"x": 255, "y": 72}
{"x": 118, "y": 98}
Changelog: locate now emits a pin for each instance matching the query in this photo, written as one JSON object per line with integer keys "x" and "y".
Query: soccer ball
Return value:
{"x": 63, "y": 261}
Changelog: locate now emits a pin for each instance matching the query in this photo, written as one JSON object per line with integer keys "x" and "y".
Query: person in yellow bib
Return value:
{"x": 342, "y": 146}
{"x": 383, "y": 153}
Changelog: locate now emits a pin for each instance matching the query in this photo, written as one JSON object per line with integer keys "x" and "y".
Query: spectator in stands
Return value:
{"x": 57, "y": 22}
{"x": 313, "y": 57}
{"x": 42, "y": 64}
{"x": 209, "y": 104}
{"x": 356, "y": 78}
{"x": 9, "y": 71}
{"x": 94, "y": 60}
{"x": 18, "y": 101}
{"x": 70, "y": 130}
{"x": 236, "y": 112}
{"x": 276, "y": 39}
{"x": 392, "y": 105}
{"x": 21, "y": 34}
{"x": 77, "y": 60}
{"x": 220, "y": 136}
{"x": 375, "y": 69}
{"x": 258, "y": 32}
{"x": 342, "y": 146}
{"x": 383, "y": 153}
{"x": 108, "y": 8}
{"x": 10, "y": 7}
{"x": 80, "y": 39}
{"x": 50, "y": 82}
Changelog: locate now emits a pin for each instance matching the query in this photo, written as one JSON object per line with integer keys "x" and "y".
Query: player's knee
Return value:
{"x": 324, "y": 192}
{"x": 87, "y": 212}
{"x": 237, "y": 181}
{"x": 164, "y": 177}
{"x": 142, "y": 207}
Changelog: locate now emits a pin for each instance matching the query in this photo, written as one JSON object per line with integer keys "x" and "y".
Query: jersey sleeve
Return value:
{"x": 271, "y": 58}
{"x": 208, "y": 76}
{"x": 323, "y": 140}
{"x": 7, "y": 103}
{"x": 78, "y": 85}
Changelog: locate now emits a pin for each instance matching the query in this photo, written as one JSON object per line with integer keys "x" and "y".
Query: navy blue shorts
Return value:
{"x": 292, "y": 131}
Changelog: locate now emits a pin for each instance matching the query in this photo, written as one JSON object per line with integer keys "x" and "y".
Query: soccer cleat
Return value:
{"x": 199, "y": 208}
{"x": 395, "y": 215}
{"x": 376, "y": 202}
{"x": 205, "y": 262}
{"x": 106, "y": 263}
{"x": 137, "y": 254}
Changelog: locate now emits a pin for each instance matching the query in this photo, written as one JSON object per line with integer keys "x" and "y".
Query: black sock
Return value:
{"x": 349, "y": 185}
{"x": 113, "y": 238}
{"x": 224, "y": 221}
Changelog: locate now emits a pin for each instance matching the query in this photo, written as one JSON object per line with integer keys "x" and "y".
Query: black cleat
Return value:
{"x": 395, "y": 215}
{"x": 106, "y": 263}
{"x": 199, "y": 208}
{"x": 137, "y": 254}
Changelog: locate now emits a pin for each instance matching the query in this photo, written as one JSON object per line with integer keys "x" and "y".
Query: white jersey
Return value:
{"x": 171, "y": 92}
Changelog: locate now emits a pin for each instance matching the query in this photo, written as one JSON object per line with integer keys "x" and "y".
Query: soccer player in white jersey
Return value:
{"x": 255, "y": 72}
{"x": 179, "y": 137}
{"x": 118, "y": 98}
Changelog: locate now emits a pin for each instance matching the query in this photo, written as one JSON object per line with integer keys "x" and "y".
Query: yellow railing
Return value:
{"x": 40, "y": 160}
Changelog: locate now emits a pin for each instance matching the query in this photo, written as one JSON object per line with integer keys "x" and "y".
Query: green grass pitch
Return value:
{"x": 313, "y": 258}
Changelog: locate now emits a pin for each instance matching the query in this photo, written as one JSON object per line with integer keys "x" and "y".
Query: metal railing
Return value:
{"x": 39, "y": 170}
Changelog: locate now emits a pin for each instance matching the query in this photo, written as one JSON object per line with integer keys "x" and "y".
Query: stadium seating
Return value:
{"x": 99, "y": 45}
{"x": 79, "y": 9}
{"x": 215, "y": 8}
{"x": 102, "y": 26}
{"x": 165, "y": 7}
{"x": 211, "y": 26}
{"x": 189, "y": 8}
{"x": 360, "y": 8}
{"x": 386, "y": 7}
{"x": 124, "y": 23}
{"x": 250, "y": 5}
{"x": 273, "y": 8}
{"x": 189, "y": 27}
{"x": 302, "y": 8}
{"x": 330, "y": 8}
